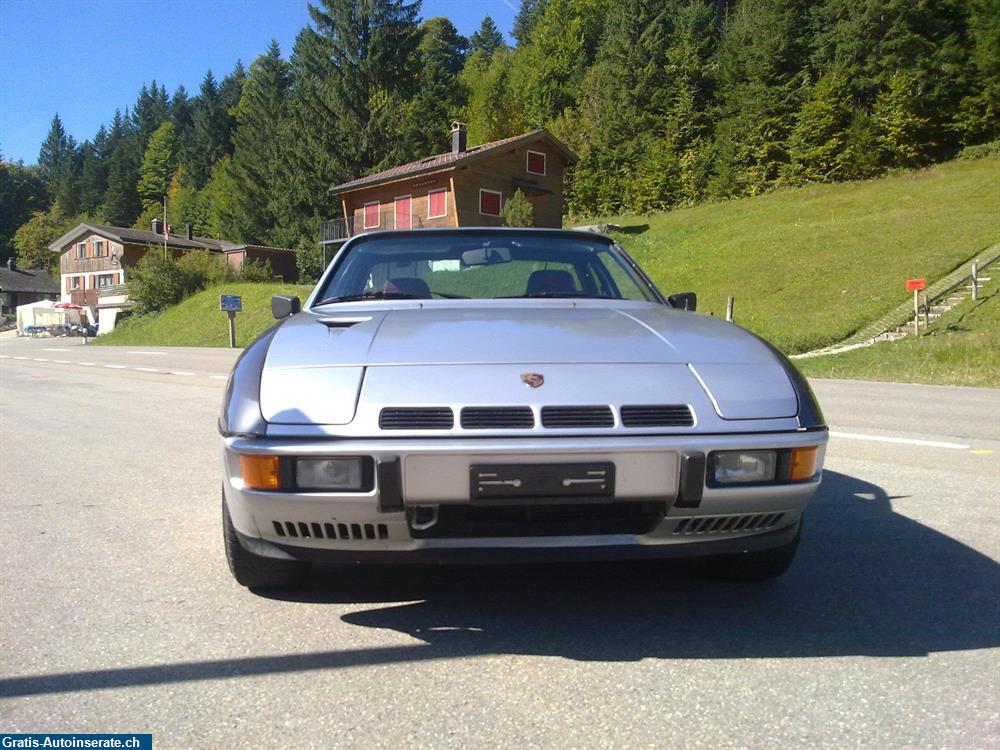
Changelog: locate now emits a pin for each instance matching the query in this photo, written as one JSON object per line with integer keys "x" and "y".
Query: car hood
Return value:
{"x": 316, "y": 363}
{"x": 510, "y": 333}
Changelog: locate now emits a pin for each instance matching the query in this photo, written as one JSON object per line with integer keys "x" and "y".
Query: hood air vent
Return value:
{"x": 497, "y": 417}
{"x": 677, "y": 415}
{"x": 414, "y": 418}
{"x": 577, "y": 416}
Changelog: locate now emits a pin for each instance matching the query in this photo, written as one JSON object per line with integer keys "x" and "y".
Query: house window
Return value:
{"x": 490, "y": 202}
{"x": 105, "y": 279}
{"x": 536, "y": 162}
{"x": 401, "y": 212}
{"x": 371, "y": 217}
{"x": 99, "y": 249}
{"x": 76, "y": 283}
{"x": 81, "y": 250}
{"x": 437, "y": 203}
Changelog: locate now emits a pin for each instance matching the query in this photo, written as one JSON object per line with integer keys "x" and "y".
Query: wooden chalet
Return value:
{"x": 464, "y": 187}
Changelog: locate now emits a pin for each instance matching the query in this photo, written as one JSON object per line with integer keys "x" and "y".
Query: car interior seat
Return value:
{"x": 408, "y": 285}
{"x": 550, "y": 282}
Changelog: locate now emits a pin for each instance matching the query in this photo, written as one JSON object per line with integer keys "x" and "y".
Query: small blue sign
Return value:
{"x": 231, "y": 303}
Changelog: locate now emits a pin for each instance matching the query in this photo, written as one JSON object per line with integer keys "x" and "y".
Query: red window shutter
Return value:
{"x": 536, "y": 163}
{"x": 437, "y": 203}
{"x": 403, "y": 215}
{"x": 371, "y": 215}
{"x": 489, "y": 203}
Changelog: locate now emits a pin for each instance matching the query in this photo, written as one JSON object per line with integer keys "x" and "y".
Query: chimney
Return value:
{"x": 157, "y": 226}
{"x": 458, "y": 143}
{"x": 189, "y": 231}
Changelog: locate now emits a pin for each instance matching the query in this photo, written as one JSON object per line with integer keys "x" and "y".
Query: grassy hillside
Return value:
{"x": 809, "y": 266}
{"x": 197, "y": 321}
{"x": 962, "y": 348}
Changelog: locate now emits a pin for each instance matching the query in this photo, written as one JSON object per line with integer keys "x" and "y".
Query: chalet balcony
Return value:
{"x": 334, "y": 231}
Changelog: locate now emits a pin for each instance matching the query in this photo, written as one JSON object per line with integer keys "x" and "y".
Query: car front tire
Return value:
{"x": 762, "y": 565}
{"x": 254, "y": 571}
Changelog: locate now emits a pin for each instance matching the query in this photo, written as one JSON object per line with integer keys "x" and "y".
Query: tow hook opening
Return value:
{"x": 422, "y": 517}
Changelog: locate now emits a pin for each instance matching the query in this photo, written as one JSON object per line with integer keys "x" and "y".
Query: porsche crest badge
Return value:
{"x": 532, "y": 379}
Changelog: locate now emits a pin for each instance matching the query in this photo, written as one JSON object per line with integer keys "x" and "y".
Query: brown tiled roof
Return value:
{"x": 448, "y": 160}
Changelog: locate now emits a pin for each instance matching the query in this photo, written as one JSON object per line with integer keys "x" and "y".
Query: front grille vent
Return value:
{"x": 416, "y": 418}
{"x": 727, "y": 524}
{"x": 577, "y": 416}
{"x": 669, "y": 415}
{"x": 497, "y": 417}
{"x": 345, "y": 532}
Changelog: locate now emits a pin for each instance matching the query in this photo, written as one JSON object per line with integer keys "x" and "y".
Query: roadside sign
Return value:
{"x": 916, "y": 285}
{"x": 231, "y": 303}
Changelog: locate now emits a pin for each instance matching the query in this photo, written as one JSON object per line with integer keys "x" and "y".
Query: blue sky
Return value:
{"x": 86, "y": 58}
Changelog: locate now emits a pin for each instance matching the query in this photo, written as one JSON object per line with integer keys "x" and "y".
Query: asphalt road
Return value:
{"x": 117, "y": 612}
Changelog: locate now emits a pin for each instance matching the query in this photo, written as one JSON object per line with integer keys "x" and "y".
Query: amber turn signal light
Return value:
{"x": 804, "y": 463}
{"x": 260, "y": 472}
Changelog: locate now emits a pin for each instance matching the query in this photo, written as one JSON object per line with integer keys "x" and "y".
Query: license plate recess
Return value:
{"x": 542, "y": 483}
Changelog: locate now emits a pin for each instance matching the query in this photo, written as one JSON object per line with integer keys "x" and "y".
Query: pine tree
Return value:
{"x": 262, "y": 207}
{"x": 486, "y": 40}
{"x": 158, "y": 166}
{"x": 209, "y": 135}
{"x": 54, "y": 155}
{"x": 761, "y": 84}
{"x": 526, "y": 18}
{"x": 121, "y": 201}
{"x": 22, "y": 193}
{"x": 439, "y": 92}
{"x": 93, "y": 180}
{"x": 551, "y": 67}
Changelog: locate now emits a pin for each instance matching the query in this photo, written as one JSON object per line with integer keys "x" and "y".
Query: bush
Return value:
{"x": 158, "y": 281}
{"x": 518, "y": 211}
{"x": 256, "y": 271}
{"x": 980, "y": 151}
{"x": 212, "y": 268}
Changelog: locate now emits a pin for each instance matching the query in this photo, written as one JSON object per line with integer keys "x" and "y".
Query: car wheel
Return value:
{"x": 761, "y": 565}
{"x": 254, "y": 571}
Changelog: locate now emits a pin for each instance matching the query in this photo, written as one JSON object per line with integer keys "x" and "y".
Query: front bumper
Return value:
{"x": 433, "y": 474}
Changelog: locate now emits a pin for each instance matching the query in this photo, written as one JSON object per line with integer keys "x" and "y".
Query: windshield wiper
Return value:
{"x": 367, "y": 295}
{"x": 557, "y": 295}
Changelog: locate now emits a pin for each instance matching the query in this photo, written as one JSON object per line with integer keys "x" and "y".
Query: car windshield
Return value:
{"x": 482, "y": 265}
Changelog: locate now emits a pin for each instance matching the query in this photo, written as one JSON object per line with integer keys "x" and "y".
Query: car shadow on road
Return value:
{"x": 867, "y": 581}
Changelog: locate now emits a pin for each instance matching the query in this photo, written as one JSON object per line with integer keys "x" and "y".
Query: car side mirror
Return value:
{"x": 684, "y": 301}
{"x": 284, "y": 306}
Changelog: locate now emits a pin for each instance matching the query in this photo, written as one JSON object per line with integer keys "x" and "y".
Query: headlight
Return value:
{"x": 330, "y": 474}
{"x": 742, "y": 467}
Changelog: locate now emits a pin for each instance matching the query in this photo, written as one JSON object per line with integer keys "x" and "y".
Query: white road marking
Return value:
{"x": 61, "y": 361}
{"x": 180, "y": 372}
{"x": 900, "y": 441}
{"x": 142, "y": 352}
{"x": 115, "y": 367}
{"x": 88, "y": 364}
{"x": 4, "y": 356}
{"x": 219, "y": 377}
{"x": 40, "y": 359}
{"x": 20, "y": 357}
{"x": 147, "y": 369}
{"x": 56, "y": 350}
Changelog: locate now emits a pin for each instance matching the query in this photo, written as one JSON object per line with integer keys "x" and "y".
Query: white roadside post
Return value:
{"x": 729, "y": 309}
{"x": 231, "y": 304}
{"x": 916, "y": 286}
{"x": 975, "y": 280}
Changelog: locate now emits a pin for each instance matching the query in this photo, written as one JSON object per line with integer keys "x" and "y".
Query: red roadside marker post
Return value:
{"x": 916, "y": 286}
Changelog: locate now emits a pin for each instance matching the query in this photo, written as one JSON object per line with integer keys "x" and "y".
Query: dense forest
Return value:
{"x": 667, "y": 102}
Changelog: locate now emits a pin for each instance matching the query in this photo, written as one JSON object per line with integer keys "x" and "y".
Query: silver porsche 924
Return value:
{"x": 502, "y": 395}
